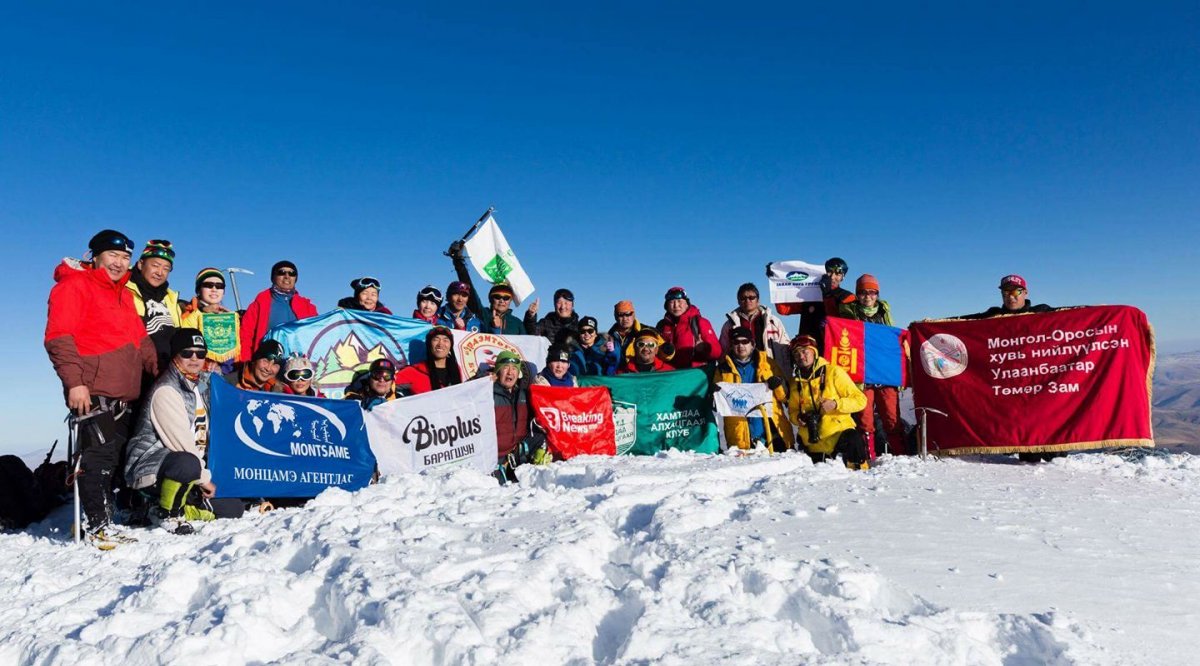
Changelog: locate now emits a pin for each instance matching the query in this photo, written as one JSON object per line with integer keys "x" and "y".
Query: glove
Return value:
{"x": 456, "y": 248}
{"x": 701, "y": 349}
{"x": 774, "y": 383}
{"x": 667, "y": 349}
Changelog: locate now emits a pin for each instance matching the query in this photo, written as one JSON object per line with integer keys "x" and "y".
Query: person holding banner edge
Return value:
{"x": 210, "y": 292}
{"x": 169, "y": 446}
{"x": 821, "y": 400}
{"x": 812, "y": 319}
{"x": 518, "y": 440}
{"x": 648, "y": 352}
{"x": 744, "y": 364}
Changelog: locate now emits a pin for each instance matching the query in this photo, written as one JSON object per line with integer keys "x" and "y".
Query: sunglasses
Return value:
{"x": 743, "y": 341}
{"x": 365, "y": 283}
{"x": 646, "y": 344}
{"x": 286, "y": 272}
{"x": 502, "y": 299}
{"x": 212, "y": 285}
{"x": 624, "y": 314}
{"x": 1015, "y": 291}
{"x": 748, "y": 297}
{"x": 193, "y": 353}
{"x": 587, "y": 331}
{"x": 298, "y": 375}
{"x": 382, "y": 375}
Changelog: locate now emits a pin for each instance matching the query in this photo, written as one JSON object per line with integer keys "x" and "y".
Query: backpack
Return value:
{"x": 20, "y": 500}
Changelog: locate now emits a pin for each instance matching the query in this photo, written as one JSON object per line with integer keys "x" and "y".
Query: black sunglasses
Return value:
{"x": 285, "y": 272}
{"x": 502, "y": 299}
{"x": 299, "y": 374}
{"x": 193, "y": 353}
{"x": 212, "y": 285}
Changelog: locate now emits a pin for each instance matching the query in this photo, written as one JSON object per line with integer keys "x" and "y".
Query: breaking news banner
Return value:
{"x": 477, "y": 352}
{"x": 577, "y": 421}
{"x": 1066, "y": 380}
{"x": 656, "y": 411}
{"x": 342, "y": 343}
{"x": 276, "y": 445}
{"x": 794, "y": 283}
{"x": 450, "y": 427}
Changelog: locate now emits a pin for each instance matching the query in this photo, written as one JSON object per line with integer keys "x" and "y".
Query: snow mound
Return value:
{"x": 673, "y": 559}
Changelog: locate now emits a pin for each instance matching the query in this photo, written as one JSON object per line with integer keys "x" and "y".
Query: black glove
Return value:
{"x": 667, "y": 349}
{"x": 456, "y": 248}
{"x": 768, "y": 269}
{"x": 774, "y": 383}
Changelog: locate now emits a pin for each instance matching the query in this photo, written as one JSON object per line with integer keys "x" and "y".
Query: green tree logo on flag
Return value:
{"x": 497, "y": 269}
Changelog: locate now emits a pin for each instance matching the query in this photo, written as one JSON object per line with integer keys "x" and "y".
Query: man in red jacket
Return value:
{"x": 99, "y": 348}
{"x": 438, "y": 370}
{"x": 695, "y": 342}
{"x": 280, "y": 304}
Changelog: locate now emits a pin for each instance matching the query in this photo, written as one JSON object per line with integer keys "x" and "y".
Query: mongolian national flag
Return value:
{"x": 869, "y": 353}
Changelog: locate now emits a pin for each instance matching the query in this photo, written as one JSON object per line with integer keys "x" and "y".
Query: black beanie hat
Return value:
{"x": 284, "y": 264}
{"x": 109, "y": 239}
{"x": 187, "y": 338}
{"x": 269, "y": 349}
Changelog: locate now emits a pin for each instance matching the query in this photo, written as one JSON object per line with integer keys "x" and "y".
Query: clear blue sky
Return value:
{"x": 628, "y": 147}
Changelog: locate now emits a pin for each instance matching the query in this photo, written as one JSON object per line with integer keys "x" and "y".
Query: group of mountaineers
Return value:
{"x": 135, "y": 368}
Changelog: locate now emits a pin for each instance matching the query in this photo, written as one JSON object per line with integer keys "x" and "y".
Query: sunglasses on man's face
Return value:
{"x": 587, "y": 331}
{"x": 193, "y": 353}
{"x": 502, "y": 299}
{"x": 382, "y": 376}
{"x": 646, "y": 345}
{"x": 285, "y": 273}
{"x": 298, "y": 375}
{"x": 1015, "y": 291}
{"x": 212, "y": 285}
{"x": 624, "y": 314}
{"x": 747, "y": 297}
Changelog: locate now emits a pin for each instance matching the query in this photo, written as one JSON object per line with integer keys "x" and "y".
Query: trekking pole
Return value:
{"x": 237, "y": 299}
{"x": 73, "y": 459}
{"x": 923, "y": 448}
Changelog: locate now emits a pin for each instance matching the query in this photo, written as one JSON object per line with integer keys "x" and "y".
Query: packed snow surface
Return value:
{"x": 684, "y": 559}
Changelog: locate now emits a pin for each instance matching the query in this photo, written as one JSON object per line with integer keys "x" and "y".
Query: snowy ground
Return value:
{"x": 677, "y": 559}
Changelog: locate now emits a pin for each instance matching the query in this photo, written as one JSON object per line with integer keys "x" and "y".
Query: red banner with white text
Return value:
{"x": 577, "y": 421}
{"x": 1066, "y": 380}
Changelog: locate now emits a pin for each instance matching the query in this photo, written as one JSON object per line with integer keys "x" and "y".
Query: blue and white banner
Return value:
{"x": 276, "y": 445}
{"x": 342, "y": 343}
{"x": 450, "y": 427}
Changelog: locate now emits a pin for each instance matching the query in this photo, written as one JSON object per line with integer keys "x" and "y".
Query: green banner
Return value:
{"x": 221, "y": 334}
{"x": 660, "y": 410}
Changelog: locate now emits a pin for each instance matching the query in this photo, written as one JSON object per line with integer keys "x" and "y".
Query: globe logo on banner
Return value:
{"x": 943, "y": 356}
{"x": 311, "y": 431}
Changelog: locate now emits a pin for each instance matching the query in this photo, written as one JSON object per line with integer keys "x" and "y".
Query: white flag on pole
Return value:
{"x": 494, "y": 259}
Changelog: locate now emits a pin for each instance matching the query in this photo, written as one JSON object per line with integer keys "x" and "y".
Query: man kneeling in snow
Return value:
{"x": 820, "y": 402}
{"x": 166, "y": 453}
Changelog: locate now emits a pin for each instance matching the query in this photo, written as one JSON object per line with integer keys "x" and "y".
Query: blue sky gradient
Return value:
{"x": 628, "y": 147}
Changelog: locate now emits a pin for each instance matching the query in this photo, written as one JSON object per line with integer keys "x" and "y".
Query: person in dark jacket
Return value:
{"x": 99, "y": 349}
{"x": 156, "y": 302}
{"x": 812, "y": 317}
{"x": 439, "y": 369}
{"x": 1014, "y": 295}
{"x": 375, "y": 386}
{"x": 563, "y": 316}
{"x": 499, "y": 317}
{"x": 280, "y": 304}
{"x": 366, "y": 296}
{"x": 261, "y": 373}
{"x": 595, "y": 354}
{"x": 695, "y": 342}
{"x": 169, "y": 448}
{"x": 518, "y": 440}
{"x": 558, "y": 368}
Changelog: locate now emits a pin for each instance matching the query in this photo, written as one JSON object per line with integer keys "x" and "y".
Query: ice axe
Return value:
{"x": 922, "y": 443}
{"x": 237, "y": 299}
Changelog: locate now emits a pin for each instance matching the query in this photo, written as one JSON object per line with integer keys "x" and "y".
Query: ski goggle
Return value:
{"x": 161, "y": 249}
{"x": 365, "y": 283}
{"x": 298, "y": 375}
{"x": 645, "y": 344}
{"x": 193, "y": 353}
{"x": 430, "y": 294}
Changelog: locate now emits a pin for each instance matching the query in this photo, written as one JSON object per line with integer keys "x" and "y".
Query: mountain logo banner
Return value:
{"x": 671, "y": 410}
{"x": 343, "y": 343}
{"x": 577, "y": 421}
{"x": 450, "y": 427}
{"x": 491, "y": 255}
{"x": 794, "y": 283}
{"x": 275, "y": 445}
{"x": 1071, "y": 379}
{"x": 869, "y": 353}
{"x": 476, "y": 352}
{"x": 742, "y": 400}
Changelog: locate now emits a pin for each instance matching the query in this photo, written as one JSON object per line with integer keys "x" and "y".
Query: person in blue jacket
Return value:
{"x": 454, "y": 313}
{"x": 595, "y": 354}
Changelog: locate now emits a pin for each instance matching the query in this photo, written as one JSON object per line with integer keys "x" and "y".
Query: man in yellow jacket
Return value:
{"x": 821, "y": 401}
{"x": 746, "y": 365}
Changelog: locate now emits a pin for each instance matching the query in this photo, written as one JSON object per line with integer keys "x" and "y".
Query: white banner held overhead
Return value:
{"x": 477, "y": 351}
{"x": 450, "y": 427}
{"x": 494, "y": 259}
{"x": 794, "y": 282}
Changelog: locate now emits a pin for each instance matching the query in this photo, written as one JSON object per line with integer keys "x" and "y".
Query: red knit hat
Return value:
{"x": 866, "y": 282}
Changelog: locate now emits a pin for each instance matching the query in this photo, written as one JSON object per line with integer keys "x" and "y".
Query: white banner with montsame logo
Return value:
{"x": 450, "y": 427}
